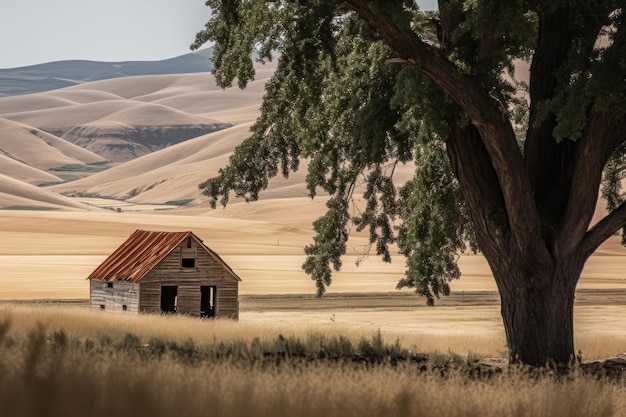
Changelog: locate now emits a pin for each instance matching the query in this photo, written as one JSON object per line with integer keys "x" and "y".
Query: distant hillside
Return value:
{"x": 29, "y": 154}
{"x": 123, "y": 118}
{"x": 118, "y": 117}
{"x": 54, "y": 75}
{"x": 18, "y": 195}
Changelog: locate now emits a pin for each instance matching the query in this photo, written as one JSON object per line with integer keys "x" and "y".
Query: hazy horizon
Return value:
{"x": 38, "y": 31}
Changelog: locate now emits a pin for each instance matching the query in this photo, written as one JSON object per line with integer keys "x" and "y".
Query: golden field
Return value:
{"x": 47, "y": 255}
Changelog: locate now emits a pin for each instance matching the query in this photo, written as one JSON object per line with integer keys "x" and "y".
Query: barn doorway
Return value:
{"x": 169, "y": 298}
{"x": 208, "y": 301}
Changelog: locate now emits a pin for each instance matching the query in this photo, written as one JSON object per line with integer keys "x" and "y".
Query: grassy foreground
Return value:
{"x": 94, "y": 370}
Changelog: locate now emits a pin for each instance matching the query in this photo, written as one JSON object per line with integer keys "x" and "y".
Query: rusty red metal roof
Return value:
{"x": 141, "y": 252}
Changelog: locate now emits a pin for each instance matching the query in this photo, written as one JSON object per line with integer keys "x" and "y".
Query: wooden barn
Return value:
{"x": 165, "y": 272}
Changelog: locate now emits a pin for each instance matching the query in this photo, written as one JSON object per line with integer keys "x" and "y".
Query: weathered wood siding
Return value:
{"x": 115, "y": 298}
{"x": 228, "y": 299}
{"x": 207, "y": 271}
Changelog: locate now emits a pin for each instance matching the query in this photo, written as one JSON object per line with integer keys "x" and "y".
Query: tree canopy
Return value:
{"x": 509, "y": 164}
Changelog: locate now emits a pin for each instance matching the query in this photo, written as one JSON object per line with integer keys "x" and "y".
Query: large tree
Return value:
{"x": 514, "y": 167}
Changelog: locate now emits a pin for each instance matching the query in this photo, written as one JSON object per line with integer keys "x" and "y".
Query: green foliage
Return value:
{"x": 183, "y": 202}
{"x": 27, "y": 207}
{"x": 592, "y": 77}
{"x": 612, "y": 183}
{"x": 490, "y": 35}
{"x": 329, "y": 243}
{"x": 129, "y": 341}
{"x": 64, "y": 177}
{"x": 338, "y": 101}
{"x": 60, "y": 339}
{"x": 434, "y": 228}
{"x": 105, "y": 340}
{"x": 353, "y": 117}
{"x": 446, "y": 360}
{"x": 238, "y": 27}
{"x": 377, "y": 348}
{"x": 315, "y": 347}
{"x": 94, "y": 167}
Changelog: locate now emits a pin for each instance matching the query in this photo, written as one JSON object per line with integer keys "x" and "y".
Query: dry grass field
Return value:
{"x": 61, "y": 360}
{"x": 47, "y": 255}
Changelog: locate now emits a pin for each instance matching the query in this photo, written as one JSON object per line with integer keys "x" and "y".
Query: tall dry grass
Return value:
{"x": 55, "y": 374}
{"x": 81, "y": 322}
{"x": 95, "y": 367}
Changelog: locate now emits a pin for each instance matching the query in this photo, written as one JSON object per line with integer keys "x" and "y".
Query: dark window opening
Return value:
{"x": 124, "y": 307}
{"x": 169, "y": 298}
{"x": 208, "y": 301}
{"x": 109, "y": 285}
{"x": 101, "y": 306}
{"x": 188, "y": 262}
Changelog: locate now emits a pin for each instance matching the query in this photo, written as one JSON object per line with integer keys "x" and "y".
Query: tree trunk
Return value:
{"x": 535, "y": 280}
{"x": 538, "y": 310}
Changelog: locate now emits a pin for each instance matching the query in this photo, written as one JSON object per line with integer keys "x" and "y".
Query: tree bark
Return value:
{"x": 536, "y": 289}
{"x": 538, "y": 319}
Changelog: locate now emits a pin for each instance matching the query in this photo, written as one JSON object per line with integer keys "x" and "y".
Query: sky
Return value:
{"x": 38, "y": 31}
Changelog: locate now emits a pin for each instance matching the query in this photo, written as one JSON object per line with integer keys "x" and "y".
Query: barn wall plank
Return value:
{"x": 122, "y": 296}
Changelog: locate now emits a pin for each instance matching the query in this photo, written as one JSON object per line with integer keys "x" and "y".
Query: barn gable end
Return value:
{"x": 165, "y": 272}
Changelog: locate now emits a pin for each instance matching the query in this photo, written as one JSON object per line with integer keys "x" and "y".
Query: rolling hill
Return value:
{"x": 170, "y": 132}
{"x": 97, "y": 117}
{"x": 59, "y": 74}
{"x": 173, "y": 174}
{"x": 18, "y": 195}
{"x": 40, "y": 149}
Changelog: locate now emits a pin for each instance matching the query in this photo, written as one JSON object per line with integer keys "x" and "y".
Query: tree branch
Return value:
{"x": 471, "y": 166}
{"x": 551, "y": 164}
{"x": 605, "y": 228}
{"x": 485, "y": 112}
{"x": 547, "y": 160}
{"x": 603, "y": 134}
